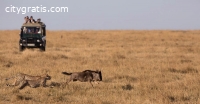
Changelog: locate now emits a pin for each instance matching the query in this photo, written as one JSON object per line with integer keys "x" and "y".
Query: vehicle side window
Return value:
{"x": 38, "y": 30}
{"x": 24, "y": 30}
{"x": 44, "y": 31}
{"x": 21, "y": 32}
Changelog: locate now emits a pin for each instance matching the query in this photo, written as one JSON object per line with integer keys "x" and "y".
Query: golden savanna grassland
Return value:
{"x": 138, "y": 67}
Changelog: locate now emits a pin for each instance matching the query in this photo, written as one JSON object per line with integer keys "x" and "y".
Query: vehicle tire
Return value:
{"x": 21, "y": 48}
{"x": 42, "y": 48}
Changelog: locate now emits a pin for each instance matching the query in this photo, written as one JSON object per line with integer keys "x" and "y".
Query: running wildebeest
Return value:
{"x": 84, "y": 76}
{"x": 97, "y": 76}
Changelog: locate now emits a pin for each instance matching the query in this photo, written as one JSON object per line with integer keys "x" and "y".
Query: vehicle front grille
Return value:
{"x": 30, "y": 41}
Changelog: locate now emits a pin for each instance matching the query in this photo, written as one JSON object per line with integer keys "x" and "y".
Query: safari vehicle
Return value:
{"x": 33, "y": 35}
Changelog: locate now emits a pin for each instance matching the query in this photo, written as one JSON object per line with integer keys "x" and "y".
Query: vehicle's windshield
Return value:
{"x": 31, "y": 30}
{"x": 31, "y": 35}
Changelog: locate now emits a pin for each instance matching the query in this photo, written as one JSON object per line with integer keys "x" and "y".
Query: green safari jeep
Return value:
{"x": 33, "y": 35}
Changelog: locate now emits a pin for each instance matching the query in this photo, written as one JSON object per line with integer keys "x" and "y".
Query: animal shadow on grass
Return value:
{"x": 57, "y": 84}
{"x": 22, "y": 97}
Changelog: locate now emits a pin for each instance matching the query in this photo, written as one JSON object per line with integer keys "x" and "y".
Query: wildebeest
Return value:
{"x": 84, "y": 76}
{"x": 97, "y": 76}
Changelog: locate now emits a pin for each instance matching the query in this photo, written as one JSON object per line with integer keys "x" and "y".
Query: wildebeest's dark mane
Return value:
{"x": 99, "y": 72}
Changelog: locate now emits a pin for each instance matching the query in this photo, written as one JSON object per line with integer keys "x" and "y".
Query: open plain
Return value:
{"x": 138, "y": 67}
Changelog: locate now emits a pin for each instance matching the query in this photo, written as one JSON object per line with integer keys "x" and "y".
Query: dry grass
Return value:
{"x": 139, "y": 67}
